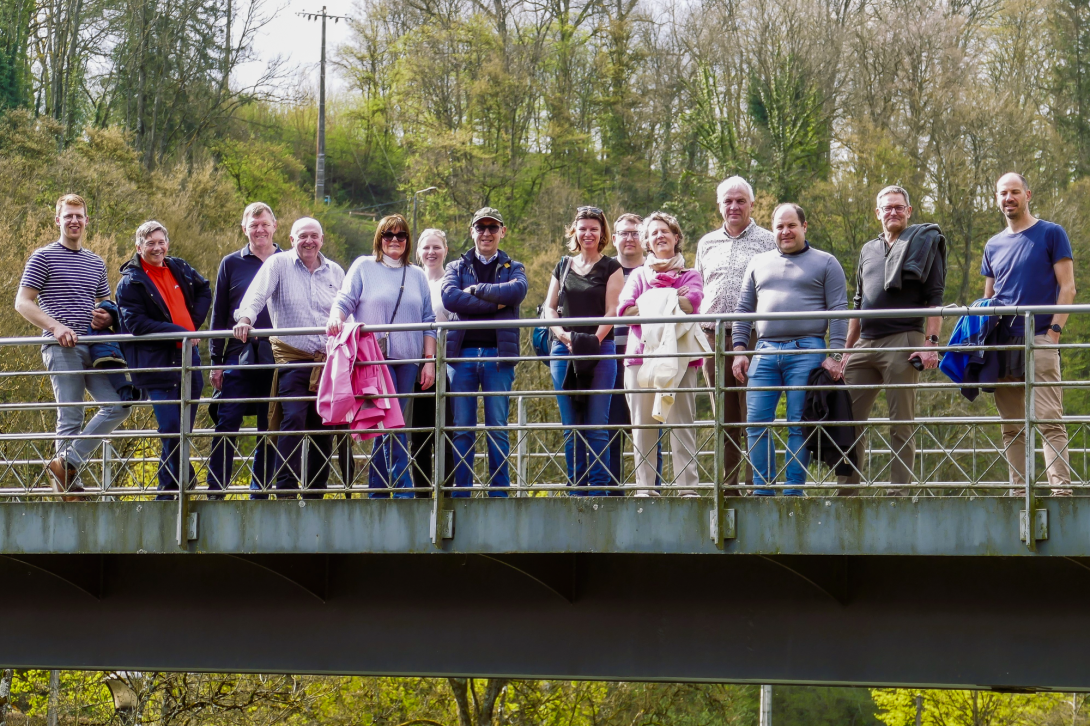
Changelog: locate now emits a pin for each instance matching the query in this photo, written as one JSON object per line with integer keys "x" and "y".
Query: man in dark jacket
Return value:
{"x": 237, "y": 271}
{"x": 483, "y": 284}
{"x": 161, "y": 294}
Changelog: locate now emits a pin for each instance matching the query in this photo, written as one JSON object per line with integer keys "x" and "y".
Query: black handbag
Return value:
{"x": 382, "y": 342}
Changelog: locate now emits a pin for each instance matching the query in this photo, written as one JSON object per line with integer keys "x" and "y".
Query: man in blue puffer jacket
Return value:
{"x": 483, "y": 284}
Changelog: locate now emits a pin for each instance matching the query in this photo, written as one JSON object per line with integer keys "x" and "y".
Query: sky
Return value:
{"x": 298, "y": 41}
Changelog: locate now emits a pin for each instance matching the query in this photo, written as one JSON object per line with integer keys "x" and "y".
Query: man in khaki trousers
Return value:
{"x": 1030, "y": 263}
{"x": 871, "y": 363}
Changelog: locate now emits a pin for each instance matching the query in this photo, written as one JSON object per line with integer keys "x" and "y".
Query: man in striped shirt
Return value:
{"x": 61, "y": 285}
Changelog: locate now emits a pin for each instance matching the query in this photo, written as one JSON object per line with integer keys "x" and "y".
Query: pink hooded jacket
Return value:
{"x": 354, "y": 394}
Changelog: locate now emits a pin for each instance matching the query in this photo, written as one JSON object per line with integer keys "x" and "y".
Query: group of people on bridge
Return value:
{"x": 737, "y": 268}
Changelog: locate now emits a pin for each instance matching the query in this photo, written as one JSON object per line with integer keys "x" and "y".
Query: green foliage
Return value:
{"x": 897, "y": 707}
{"x": 261, "y": 170}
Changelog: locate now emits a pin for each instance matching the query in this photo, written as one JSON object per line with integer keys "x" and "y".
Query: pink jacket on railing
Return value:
{"x": 640, "y": 281}
{"x": 357, "y": 395}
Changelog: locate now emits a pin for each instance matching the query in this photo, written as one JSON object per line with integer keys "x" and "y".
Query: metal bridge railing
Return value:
{"x": 960, "y": 450}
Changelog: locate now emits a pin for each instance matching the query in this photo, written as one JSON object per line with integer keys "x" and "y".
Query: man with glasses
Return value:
{"x": 630, "y": 253}
{"x": 61, "y": 286}
{"x": 888, "y": 277}
{"x": 721, "y": 259}
{"x": 483, "y": 284}
{"x": 237, "y": 271}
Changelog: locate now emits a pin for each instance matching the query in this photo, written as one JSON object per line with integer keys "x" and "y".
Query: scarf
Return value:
{"x": 677, "y": 262}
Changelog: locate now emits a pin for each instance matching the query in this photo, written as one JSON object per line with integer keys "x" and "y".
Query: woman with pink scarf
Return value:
{"x": 664, "y": 268}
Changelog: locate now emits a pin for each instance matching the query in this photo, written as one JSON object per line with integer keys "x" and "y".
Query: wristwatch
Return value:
{"x": 838, "y": 357}
{"x": 1055, "y": 328}
{"x": 932, "y": 339}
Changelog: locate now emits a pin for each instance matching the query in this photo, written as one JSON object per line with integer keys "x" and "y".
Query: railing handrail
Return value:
{"x": 946, "y": 312}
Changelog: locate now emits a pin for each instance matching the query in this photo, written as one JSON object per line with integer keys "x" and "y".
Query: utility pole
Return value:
{"x": 319, "y": 164}
{"x": 919, "y": 709}
{"x": 766, "y": 706}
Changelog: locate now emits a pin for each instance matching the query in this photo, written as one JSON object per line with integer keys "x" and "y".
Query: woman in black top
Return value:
{"x": 587, "y": 285}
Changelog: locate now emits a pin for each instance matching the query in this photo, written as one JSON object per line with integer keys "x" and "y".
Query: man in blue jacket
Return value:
{"x": 483, "y": 284}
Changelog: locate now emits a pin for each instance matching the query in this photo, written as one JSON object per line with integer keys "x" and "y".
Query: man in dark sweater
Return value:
{"x": 483, "y": 284}
{"x": 871, "y": 363}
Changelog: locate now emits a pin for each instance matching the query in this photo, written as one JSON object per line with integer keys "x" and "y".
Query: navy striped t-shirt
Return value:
{"x": 69, "y": 282}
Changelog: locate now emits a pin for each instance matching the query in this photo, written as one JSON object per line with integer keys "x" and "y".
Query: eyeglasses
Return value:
{"x": 482, "y": 228}
{"x": 894, "y": 208}
{"x": 590, "y": 210}
{"x": 632, "y": 235}
{"x": 400, "y": 236}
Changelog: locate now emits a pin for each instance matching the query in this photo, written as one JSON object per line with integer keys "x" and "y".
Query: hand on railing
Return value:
{"x": 929, "y": 358}
{"x": 335, "y": 324}
{"x": 242, "y": 329}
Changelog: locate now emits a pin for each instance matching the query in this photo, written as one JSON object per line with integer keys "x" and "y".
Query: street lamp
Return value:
{"x": 415, "y": 195}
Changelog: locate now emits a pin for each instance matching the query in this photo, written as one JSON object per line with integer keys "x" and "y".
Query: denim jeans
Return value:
{"x": 242, "y": 382}
{"x": 390, "y": 455}
{"x": 169, "y": 418}
{"x": 768, "y": 369}
{"x": 470, "y": 377}
{"x": 586, "y": 452}
{"x": 70, "y": 389}
{"x": 300, "y": 416}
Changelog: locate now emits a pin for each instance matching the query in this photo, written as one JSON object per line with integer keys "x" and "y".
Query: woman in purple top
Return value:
{"x": 664, "y": 268}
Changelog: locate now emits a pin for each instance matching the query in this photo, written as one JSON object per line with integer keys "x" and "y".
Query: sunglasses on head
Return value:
{"x": 493, "y": 228}
{"x": 590, "y": 210}
{"x": 400, "y": 236}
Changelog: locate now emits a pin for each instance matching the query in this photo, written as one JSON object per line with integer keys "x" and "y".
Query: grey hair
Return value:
{"x": 253, "y": 209}
{"x": 731, "y": 183}
{"x": 147, "y": 229}
{"x": 893, "y": 189}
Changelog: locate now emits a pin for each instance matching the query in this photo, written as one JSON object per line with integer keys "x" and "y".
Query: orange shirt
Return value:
{"x": 171, "y": 291}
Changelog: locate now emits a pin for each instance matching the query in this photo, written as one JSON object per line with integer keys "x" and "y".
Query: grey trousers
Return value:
{"x": 70, "y": 389}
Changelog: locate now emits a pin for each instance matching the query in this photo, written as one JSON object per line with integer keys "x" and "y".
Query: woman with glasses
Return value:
{"x": 664, "y": 268}
{"x": 586, "y": 285}
{"x": 381, "y": 289}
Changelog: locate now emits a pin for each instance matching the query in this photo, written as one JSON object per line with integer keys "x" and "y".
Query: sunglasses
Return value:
{"x": 590, "y": 210}
{"x": 493, "y": 228}
{"x": 399, "y": 236}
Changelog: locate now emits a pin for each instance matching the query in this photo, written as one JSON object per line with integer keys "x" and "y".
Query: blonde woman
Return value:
{"x": 431, "y": 252}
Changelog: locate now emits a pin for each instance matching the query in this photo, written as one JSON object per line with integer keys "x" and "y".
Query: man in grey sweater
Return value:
{"x": 794, "y": 278}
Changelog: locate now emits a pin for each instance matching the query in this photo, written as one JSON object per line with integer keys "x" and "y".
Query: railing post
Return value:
{"x": 107, "y": 466}
{"x": 720, "y": 409}
{"x": 521, "y": 460}
{"x": 1031, "y": 443}
{"x": 183, "y": 442}
{"x": 438, "y": 514}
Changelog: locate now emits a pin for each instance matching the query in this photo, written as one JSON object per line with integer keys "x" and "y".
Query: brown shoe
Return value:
{"x": 65, "y": 478}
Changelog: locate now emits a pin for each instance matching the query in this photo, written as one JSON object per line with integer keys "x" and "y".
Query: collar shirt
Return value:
{"x": 296, "y": 297}
{"x": 237, "y": 270}
{"x": 721, "y": 261}
{"x": 485, "y": 260}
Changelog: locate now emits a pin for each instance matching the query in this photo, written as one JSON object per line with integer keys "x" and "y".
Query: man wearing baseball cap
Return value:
{"x": 483, "y": 284}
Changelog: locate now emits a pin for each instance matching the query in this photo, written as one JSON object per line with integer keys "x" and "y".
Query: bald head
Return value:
{"x": 306, "y": 240}
{"x": 1012, "y": 177}
{"x": 302, "y": 222}
{"x": 1013, "y": 195}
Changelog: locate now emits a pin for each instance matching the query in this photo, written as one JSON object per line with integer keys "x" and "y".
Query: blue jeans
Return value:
{"x": 300, "y": 416}
{"x": 242, "y": 382}
{"x": 779, "y": 370}
{"x": 169, "y": 418}
{"x": 619, "y": 415}
{"x": 586, "y": 452}
{"x": 390, "y": 455}
{"x": 470, "y": 377}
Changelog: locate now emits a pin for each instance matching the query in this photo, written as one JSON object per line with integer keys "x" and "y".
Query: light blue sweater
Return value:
{"x": 368, "y": 296}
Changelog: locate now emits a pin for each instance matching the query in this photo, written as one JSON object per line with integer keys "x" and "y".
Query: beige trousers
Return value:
{"x": 645, "y": 441}
{"x": 1048, "y": 403}
{"x": 870, "y": 365}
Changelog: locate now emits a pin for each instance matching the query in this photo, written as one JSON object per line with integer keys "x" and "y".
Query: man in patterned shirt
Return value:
{"x": 61, "y": 285}
{"x": 721, "y": 258}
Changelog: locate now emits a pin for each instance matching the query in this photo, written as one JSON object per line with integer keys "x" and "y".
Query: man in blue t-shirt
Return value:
{"x": 1030, "y": 263}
